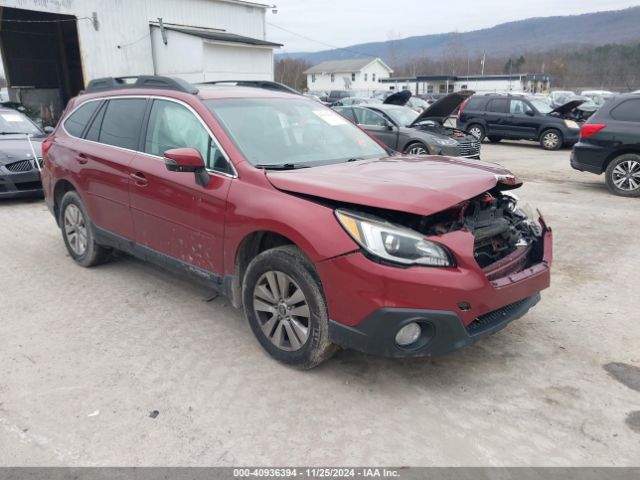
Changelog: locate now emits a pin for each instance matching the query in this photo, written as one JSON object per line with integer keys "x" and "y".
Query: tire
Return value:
{"x": 551, "y": 139}
{"x": 495, "y": 139}
{"x": 299, "y": 340}
{"x": 415, "y": 148}
{"x": 623, "y": 175}
{"x": 477, "y": 131}
{"x": 77, "y": 233}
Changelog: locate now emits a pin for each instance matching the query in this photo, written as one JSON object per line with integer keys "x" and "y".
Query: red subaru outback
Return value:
{"x": 324, "y": 237}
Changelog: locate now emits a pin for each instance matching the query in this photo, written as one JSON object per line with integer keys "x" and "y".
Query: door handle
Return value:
{"x": 81, "y": 158}
{"x": 139, "y": 179}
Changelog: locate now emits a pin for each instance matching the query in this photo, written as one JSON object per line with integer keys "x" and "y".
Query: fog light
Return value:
{"x": 408, "y": 334}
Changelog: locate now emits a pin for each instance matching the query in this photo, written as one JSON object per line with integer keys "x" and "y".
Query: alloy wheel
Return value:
{"x": 417, "y": 150}
{"x": 75, "y": 229}
{"x": 626, "y": 175}
{"x": 282, "y": 311}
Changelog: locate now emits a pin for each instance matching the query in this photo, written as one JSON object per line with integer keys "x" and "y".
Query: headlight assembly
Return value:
{"x": 391, "y": 242}
{"x": 446, "y": 142}
{"x": 571, "y": 124}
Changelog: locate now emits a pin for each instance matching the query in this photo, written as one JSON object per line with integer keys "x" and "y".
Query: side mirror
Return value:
{"x": 48, "y": 129}
{"x": 187, "y": 160}
{"x": 531, "y": 113}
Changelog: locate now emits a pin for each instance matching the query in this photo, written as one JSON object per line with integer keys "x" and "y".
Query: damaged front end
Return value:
{"x": 507, "y": 238}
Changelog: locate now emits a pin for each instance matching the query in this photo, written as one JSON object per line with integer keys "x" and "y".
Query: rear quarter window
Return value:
{"x": 78, "y": 120}
{"x": 627, "y": 111}
{"x": 476, "y": 103}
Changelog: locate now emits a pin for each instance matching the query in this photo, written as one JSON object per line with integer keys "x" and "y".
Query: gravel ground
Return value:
{"x": 126, "y": 364}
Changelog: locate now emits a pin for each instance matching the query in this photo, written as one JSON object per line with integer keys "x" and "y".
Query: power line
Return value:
{"x": 319, "y": 42}
{"x": 135, "y": 41}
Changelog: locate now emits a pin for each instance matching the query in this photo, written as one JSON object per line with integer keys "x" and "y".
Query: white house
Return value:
{"x": 363, "y": 74}
{"x": 52, "y": 48}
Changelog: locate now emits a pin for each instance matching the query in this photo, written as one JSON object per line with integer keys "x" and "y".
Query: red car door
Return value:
{"x": 103, "y": 163}
{"x": 172, "y": 214}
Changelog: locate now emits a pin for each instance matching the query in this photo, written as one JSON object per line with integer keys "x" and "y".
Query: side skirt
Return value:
{"x": 204, "y": 277}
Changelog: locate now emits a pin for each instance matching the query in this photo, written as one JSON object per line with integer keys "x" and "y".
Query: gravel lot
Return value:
{"x": 86, "y": 355}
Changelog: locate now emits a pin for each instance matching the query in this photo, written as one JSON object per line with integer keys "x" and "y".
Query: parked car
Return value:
{"x": 19, "y": 174}
{"x": 297, "y": 215}
{"x": 348, "y": 101}
{"x": 337, "y": 95}
{"x": 432, "y": 97}
{"x": 519, "y": 118}
{"x": 404, "y": 130}
{"x": 610, "y": 144}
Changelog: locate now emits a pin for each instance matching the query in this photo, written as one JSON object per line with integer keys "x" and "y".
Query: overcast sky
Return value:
{"x": 349, "y": 22}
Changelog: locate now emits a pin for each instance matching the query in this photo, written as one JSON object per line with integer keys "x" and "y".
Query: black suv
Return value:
{"x": 518, "y": 118}
{"x": 610, "y": 144}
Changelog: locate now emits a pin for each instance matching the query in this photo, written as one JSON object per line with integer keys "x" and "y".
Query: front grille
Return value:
{"x": 22, "y": 166}
{"x": 469, "y": 149}
{"x": 488, "y": 320}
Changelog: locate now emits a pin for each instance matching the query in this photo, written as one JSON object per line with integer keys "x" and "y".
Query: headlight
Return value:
{"x": 391, "y": 242}
{"x": 446, "y": 142}
{"x": 571, "y": 124}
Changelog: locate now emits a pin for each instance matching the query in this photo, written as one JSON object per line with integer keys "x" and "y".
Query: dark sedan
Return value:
{"x": 20, "y": 138}
{"x": 404, "y": 130}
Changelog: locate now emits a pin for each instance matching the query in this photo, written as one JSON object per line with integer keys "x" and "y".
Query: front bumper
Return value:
{"x": 368, "y": 302}
{"x": 442, "y": 332}
{"x": 23, "y": 184}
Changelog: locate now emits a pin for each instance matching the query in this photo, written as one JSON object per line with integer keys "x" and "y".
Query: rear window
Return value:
{"x": 121, "y": 123}
{"x": 628, "y": 111}
{"x": 476, "y": 103}
{"x": 78, "y": 120}
{"x": 498, "y": 105}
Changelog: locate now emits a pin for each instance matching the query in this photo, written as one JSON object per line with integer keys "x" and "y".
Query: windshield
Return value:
{"x": 402, "y": 116}
{"x": 296, "y": 131}
{"x": 540, "y": 105}
{"x": 15, "y": 122}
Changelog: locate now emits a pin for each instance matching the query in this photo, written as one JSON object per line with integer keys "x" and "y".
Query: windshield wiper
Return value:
{"x": 14, "y": 133}
{"x": 283, "y": 166}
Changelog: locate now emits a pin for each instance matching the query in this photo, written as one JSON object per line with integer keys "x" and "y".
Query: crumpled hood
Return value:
{"x": 418, "y": 185}
{"x": 567, "y": 107}
{"x": 13, "y": 149}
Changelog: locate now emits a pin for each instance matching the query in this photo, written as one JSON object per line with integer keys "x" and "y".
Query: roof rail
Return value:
{"x": 264, "y": 84}
{"x": 142, "y": 81}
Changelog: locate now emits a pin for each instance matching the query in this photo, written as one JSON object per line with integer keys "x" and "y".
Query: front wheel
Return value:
{"x": 551, "y": 140}
{"x": 286, "y": 309}
{"x": 623, "y": 175}
{"x": 416, "y": 148}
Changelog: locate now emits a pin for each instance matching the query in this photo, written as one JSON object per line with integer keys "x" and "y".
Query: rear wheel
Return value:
{"x": 494, "y": 139}
{"x": 551, "y": 139}
{"x": 286, "y": 309}
{"x": 416, "y": 148}
{"x": 477, "y": 131}
{"x": 77, "y": 233}
{"x": 623, "y": 175}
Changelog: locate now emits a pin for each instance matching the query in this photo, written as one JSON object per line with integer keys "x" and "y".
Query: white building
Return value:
{"x": 52, "y": 48}
{"x": 357, "y": 74}
{"x": 425, "y": 84}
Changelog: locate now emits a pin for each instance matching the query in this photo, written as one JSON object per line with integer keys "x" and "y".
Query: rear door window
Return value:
{"x": 628, "y": 111}
{"x": 121, "y": 122}
{"x": 498, "y": 105}
{"x": 93, "y": 133}
{"x": 367, "y": 117}
{"x": 78, "y": 120}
